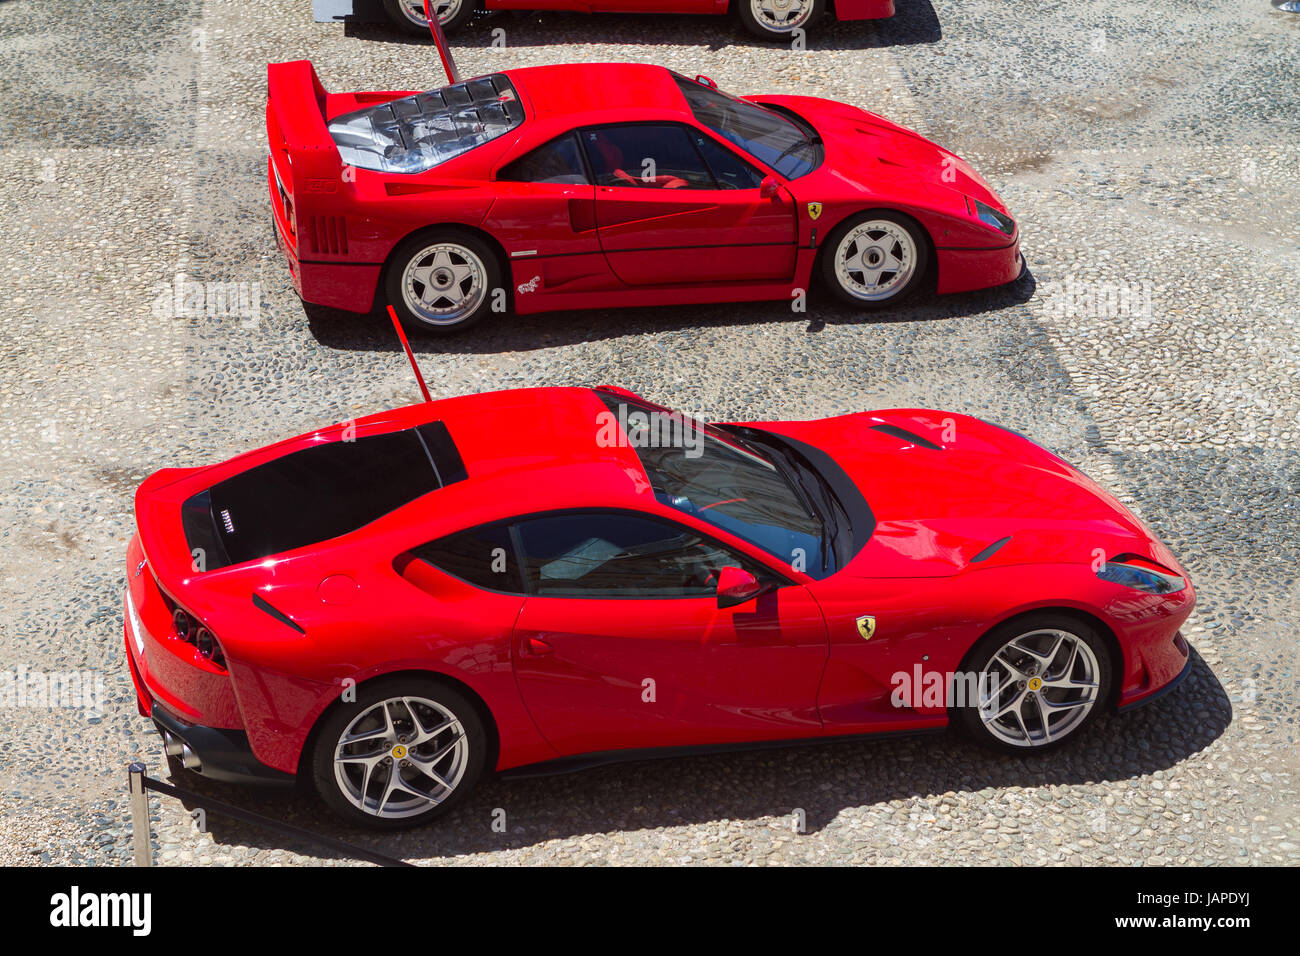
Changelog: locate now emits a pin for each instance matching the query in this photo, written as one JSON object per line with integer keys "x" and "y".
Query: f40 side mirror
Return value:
{"x": 736, "y": 586}
{"x": 770, "y": 188}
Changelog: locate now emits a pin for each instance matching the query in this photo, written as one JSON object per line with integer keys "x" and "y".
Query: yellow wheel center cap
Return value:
{"x": 1035, "y": 683}
{"x": 399, "y": 752}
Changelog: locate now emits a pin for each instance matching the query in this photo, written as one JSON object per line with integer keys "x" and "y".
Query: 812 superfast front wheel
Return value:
{"x": 406, "y": 751}
{"x": 1041, "y": 679}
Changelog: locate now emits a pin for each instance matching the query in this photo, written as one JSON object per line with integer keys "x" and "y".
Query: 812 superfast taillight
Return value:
{"x": 191, "y": 630}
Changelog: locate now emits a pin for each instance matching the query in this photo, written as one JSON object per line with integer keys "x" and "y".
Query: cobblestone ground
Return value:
{"x": 1144, "y": 146}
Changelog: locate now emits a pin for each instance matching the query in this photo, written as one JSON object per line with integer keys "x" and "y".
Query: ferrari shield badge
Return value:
{"x": 814, "y": 210}
{"x": 866, "y": 626}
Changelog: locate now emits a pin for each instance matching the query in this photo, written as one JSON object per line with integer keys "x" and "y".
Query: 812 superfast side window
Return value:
{"x": 649, "y": 155}
{"x": 559, "y": 161}
{"x": 484, "y": 557}
{"x": 609, "y": 554}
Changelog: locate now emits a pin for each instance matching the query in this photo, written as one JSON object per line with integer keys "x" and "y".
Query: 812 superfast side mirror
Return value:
{"x": 736, "y": 586}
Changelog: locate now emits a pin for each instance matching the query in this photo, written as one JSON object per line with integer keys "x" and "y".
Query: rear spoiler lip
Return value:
{"x": 303, "y": 155}
{"x": 291, "y": 87}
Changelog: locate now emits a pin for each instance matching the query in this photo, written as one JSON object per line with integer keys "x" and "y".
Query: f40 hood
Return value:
{"x": 870, "y": 149}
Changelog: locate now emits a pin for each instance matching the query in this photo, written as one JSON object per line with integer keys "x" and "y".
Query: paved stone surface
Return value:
{"x": 1148, "y": 150}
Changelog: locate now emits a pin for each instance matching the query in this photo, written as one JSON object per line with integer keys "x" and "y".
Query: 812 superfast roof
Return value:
{"x": 526, "y": 445}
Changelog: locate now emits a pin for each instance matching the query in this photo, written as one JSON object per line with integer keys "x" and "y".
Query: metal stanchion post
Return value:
{"x": 139, "y": 816}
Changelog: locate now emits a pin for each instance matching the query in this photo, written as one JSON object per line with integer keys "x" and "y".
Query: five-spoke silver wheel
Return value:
{"x": 444, "y": 283}
{"x": 1038, "y": 687}
{"x": 413, "y": 10}
{"x": 409, "y": 14}
{"x": 400, "y": 757}
{"x": 875, "y": 260}
{"x": 781, "y": 16}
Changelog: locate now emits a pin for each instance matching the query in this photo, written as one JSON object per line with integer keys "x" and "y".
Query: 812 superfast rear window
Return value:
{"x": 318, "y": 493}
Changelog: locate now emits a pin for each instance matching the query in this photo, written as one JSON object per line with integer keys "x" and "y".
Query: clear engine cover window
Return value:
{"x": 417, "y": 133}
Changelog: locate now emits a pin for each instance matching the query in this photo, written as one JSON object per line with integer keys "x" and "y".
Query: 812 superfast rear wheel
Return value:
{"x": 1042, "y": 679}
{"x": 874, "y": 259}
{"x": 405, "y": 752}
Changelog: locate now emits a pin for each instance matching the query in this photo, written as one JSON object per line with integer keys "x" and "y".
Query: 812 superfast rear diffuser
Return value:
{"x": 606, "y": 185}
{"x": 555, "y": 577}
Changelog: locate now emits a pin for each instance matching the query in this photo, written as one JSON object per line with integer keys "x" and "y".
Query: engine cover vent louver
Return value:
{"x": 327, "y": 234}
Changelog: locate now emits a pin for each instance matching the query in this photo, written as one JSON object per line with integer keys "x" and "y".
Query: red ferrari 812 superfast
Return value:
{"x": 542, "y": 579}
{"x": 612, "y": 185}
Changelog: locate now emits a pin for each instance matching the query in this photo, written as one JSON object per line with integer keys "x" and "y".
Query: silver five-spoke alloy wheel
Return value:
{"x": 1038, "y": 687}
{"x": 413, "y": 10}
{"x": 781, "y": 16}
{"x": 444, "y": 283}
{"x": 400, "y": 757}
{"x": 875, "y": 260}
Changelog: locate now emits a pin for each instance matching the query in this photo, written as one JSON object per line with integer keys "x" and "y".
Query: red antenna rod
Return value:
{"x": 440, "y": 41}
{"x": 410, "y": 356}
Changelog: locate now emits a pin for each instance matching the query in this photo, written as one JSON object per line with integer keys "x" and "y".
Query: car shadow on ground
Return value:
{"x": 373, "y": 332}
{"x": 820, "y": 780}
{"x": 915, "y": 22}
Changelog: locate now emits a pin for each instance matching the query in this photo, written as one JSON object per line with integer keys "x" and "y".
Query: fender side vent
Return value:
{"x": 991, "y": 550}
{"x": 912, "y": 438}
{"x": 264, "y": 605}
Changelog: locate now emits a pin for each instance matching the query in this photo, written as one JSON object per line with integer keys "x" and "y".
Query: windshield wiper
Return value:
{"x": 809, "y": 141}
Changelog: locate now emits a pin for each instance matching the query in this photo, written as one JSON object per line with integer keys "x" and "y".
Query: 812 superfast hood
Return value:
{"x": 945, "y": 489}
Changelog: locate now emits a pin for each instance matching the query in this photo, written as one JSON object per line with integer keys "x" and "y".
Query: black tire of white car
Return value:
{"x": 420, "y": 27}
{"x": 754, "y": 23}
{"x": 966, "y": 715}
{"x": 493, "y": 294}
{"x": 831, "y": 253}
{"x": 472, "y": 762}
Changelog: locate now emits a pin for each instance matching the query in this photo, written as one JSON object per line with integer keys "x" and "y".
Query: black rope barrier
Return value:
{"x": 269, "y": 823}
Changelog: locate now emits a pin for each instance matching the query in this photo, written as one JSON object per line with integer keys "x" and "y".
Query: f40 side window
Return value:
{"x": 613, "y": 554}
{"x": 559, "y": 161}
{"x": 728, "y": 169}
{"x": 484, "y": 557}
{"x": 649, "y": 155}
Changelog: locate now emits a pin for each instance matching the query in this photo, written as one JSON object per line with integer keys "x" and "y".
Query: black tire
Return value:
{"x": 471, "y": 763}
{"x": 412, "y": 247}
{"x": 832, "y": 253}
{"x": 966, "y": 714}
{"x": 757, "y": 27}
{"x": 420, "y": 27}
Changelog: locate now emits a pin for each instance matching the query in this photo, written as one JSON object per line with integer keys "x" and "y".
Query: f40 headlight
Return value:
{"x": 1135, "y": 572}
{"x": 991, "y": 217}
